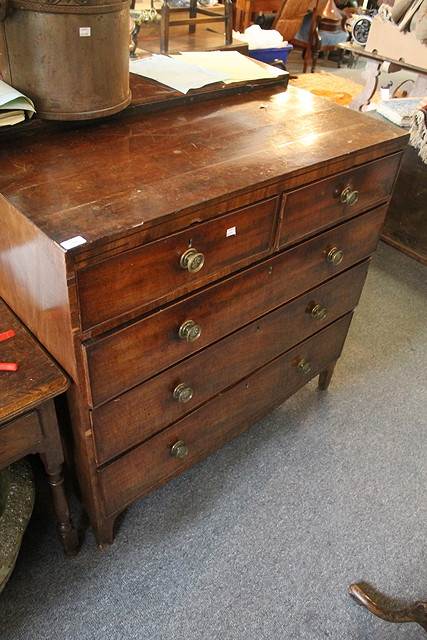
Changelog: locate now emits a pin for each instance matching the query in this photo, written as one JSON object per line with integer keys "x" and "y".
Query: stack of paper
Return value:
{"x": 13, "y": 105}
{"x": 194, "y": 69}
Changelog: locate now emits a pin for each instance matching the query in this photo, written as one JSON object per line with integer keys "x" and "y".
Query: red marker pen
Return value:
{"x": 7, "y": 334}
{"x": 8, "y": 366}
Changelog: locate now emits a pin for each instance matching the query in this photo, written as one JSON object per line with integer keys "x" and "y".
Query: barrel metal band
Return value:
{"x": 61, "y": 8}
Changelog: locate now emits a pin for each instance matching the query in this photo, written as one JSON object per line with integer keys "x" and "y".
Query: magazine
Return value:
{"x": 399, "y": 110}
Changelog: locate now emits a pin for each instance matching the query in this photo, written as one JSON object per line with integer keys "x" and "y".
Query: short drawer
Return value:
{"x": 160, "y": 401}
{"x": 327, "y": 202}
{"x": 19, "y": 437}
{"x": 175, "y": 264}
{"x": 121, "y": 360}
{"x": 218, "y": 421}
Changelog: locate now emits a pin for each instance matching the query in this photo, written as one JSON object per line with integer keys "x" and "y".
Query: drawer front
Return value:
{"x": 157, "y": 403}
{"x": 19, "y": 438}
{"x": 135, "y": 278}
{"x": 327, "y": 202}
{"x": 122, "y": 360}
{"x": 218, "y": 421}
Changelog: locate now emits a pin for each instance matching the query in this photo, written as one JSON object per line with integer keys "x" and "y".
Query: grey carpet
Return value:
{"x": 261, "y": 540}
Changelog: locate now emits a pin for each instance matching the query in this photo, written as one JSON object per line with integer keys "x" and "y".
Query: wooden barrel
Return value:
{"x": 71, "y": 58}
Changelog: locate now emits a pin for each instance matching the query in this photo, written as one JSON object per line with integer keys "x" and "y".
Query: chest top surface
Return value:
{"x": 118, "y": 175}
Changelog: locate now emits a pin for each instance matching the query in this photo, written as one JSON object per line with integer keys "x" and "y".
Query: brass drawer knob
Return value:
{"x": 349, "y": 196}
{"x": 317, "y": 312}
{"x": 192, "y": 260}
{"x": 179, "y": 449}
{"x": 190, "y": 331}
{"x": 304, "y": 366}
{"x": 335, "y": 256}
{"x": 182, "y": 392}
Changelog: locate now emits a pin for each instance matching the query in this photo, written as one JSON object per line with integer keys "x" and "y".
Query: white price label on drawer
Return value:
{"x": 73, "y": 242}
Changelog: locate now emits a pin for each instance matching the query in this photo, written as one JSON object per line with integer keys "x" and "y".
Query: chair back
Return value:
{"x": 290, "y": 16}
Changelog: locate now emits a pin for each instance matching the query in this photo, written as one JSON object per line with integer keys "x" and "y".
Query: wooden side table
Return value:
{"x": 195, "y": 14}
{"x": 375, "y": 63}
{"x": 28, "y": 422}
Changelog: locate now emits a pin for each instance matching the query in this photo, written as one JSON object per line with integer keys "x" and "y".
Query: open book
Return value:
{"x": 191, "y": 70}
{"x": 14, "y": 106}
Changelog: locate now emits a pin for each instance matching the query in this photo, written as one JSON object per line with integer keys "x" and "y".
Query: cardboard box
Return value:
{"x": 386, "y": 40}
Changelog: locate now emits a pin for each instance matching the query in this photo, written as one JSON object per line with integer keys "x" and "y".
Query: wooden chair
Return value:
{"x": 246, "y": 10}
{"x": 315, "y": 31}
{"x": 289, "y": 17}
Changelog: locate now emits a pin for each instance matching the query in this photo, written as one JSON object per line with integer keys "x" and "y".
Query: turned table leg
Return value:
{"x": 416, "y": 612}
{"x": 53, "y": 459}
{"x": 164, "y": 27}
{"x": 67, "y": 533}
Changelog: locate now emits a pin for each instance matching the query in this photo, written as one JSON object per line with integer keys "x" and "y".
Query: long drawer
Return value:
{"x": 145, "y": 410}
{"x": 121, "y": 360}
{"x": 218, "y": 421}
{"x": 19, "y": 437}
{"x": 327, "y": 202}
{"x": 175, "y": 264}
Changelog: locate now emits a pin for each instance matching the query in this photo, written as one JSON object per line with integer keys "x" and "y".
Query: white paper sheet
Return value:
{"x": 176, "y": 73}
{"x": 236, "y": 66}
{"x": 11, "y": 99}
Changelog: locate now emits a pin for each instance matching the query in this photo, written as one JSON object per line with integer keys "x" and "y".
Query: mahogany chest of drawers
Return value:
{"x": 190, "y": 269}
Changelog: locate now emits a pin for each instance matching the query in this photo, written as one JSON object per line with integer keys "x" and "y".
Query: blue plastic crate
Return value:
{"x": 270, "y": 55}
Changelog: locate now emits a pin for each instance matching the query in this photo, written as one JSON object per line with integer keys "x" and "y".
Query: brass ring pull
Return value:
{"x": 349, "y": 196}
{"x": 192, "y": 260}
{"x": 335, "y": 256}
{"x": 179, "y": 449}
{"x": 182, "y": 392}
{"x": 189, "y": 331}
{"x": 317, "y": 312}
{"x": 304, "y": 366}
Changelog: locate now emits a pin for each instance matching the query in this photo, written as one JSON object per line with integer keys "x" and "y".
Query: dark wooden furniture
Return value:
{"x": 204, "y": 38}
{"x": 405, "y": 225}
{"x": 246, "y": 10}
{"x": 190, "y": 268}
{"x": 416, "y": 612}
{"x": 312, "y": 31}
{"x": 28, "y": 421}
{"x": 328, "y": 29}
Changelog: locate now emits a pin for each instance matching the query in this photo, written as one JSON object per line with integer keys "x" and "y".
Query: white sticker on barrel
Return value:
{"x": 84, "y": 31}
{"x": 231, "y": 232}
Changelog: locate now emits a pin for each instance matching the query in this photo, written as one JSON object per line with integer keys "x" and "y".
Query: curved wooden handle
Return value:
{"x": 416, "y": 612}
